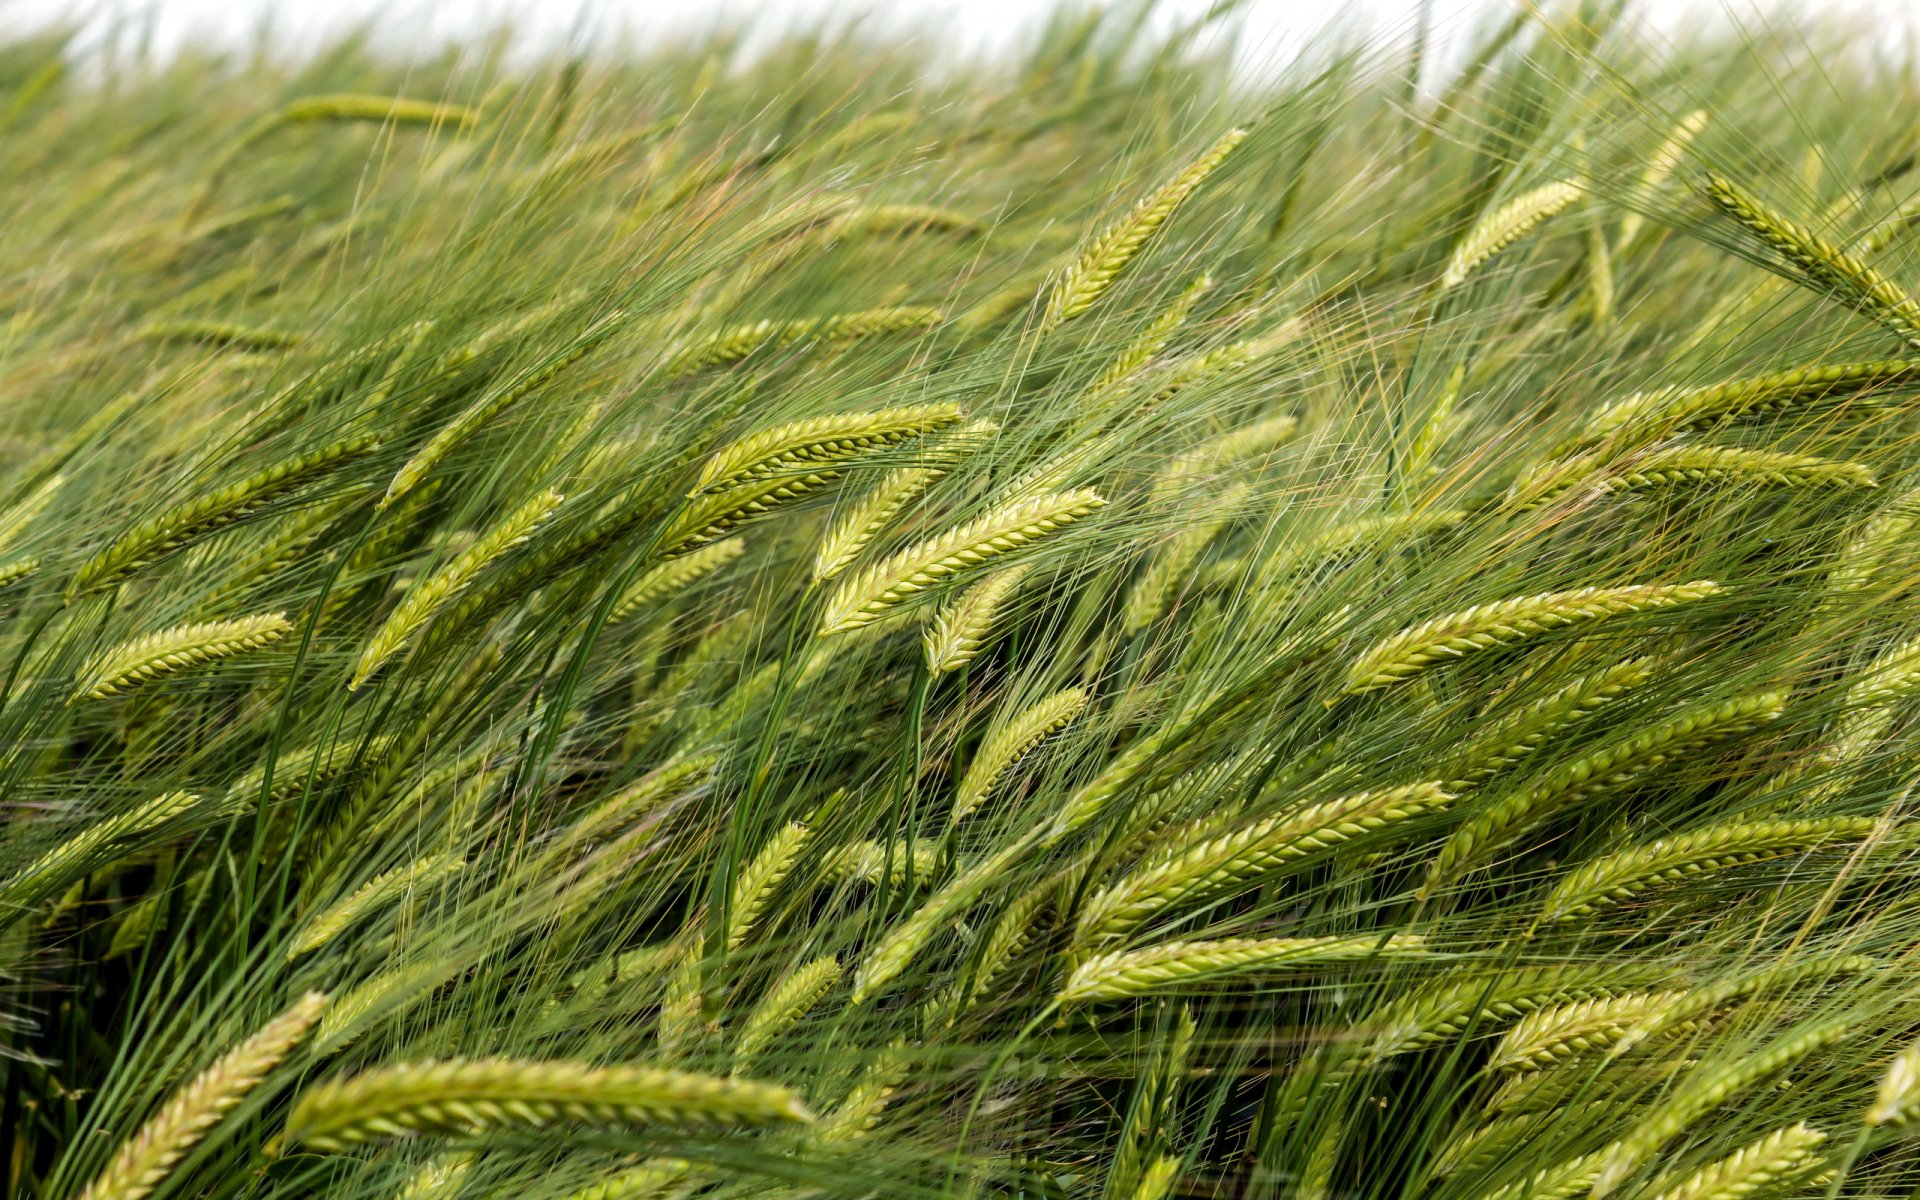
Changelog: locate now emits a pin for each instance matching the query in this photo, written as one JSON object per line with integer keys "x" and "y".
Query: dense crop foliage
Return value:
{"x": 671, "y": 625}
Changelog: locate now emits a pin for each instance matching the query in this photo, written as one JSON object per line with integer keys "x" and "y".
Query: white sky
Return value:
{"x": 965, "y": 25}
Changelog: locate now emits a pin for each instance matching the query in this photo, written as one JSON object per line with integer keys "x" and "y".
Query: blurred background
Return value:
{"x": 1266, "y": 30}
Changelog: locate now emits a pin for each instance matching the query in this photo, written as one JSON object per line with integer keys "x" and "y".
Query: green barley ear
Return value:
{"x": 1002, "y": 751}
{"x": 83, "y": 852}
{"x": 959, "y": 631}
{"x": 1549, "y": 1037}
{"x": 396, "y": 110}
{"x": 1777, "y": 1160}
{"x": 1519, "y": 736}
{"x": 1170, "y": 566}
{"x": 1151, "y": 340}
{"x": 222, "y": 335}
{"x": 673, "y": 576}
{"x": 1897, "y": 1101}
{"x": 636, "y": 799}
{"x": 754, "y": 887}
{"x": 1609, "y": 767}
{"x": 329, "y": 923}
{"x": 1237, "y": 860}
{"x": 1107, "y": 255}
{"x": 803, "y": 445}
{"x": 1647, "y": 416}
{"x": 893, "y": 220}
{"x": 730, "y": 346}
{"x": 470, "y": 1098}
{"x": 498, "y": 400}
{"x": 1503, "y": 227}
{"x": 898, "y": 948}
{"x": 145, "y": 1160}
{"x": 15, "y": 519}
{"x": 1660, "y": 167}
{"x": 789, "y": 1000}
{"x": 177, "y": 527}
{"x": 714, "y": 515}
{"x": 1452, "y": 1008}
{"x": 649, "y": 1181}
{"x": 1858, "y": 562}
{"x": 1822, "y": 265}
{"x": 855, "y": 529}
{"x": 865, "y": 597}
{"x": 172, "y": 651}
{"x": 425, "y": 599}
{"x": 1707, "y": 1090}
{"x": 1683, "y": 466}
{"x": 1626, "y": 874}
{"x": 1453, "y": 636}
{"x": 872, "y": 862}
{"x": 1771, "y": 981}
{"x": 1177, "y": 965}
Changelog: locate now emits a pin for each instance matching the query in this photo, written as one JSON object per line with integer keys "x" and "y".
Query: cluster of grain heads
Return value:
{"x": 467, "y": 1098}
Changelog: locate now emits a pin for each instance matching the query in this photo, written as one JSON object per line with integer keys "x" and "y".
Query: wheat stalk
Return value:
{"x": 145, "y": 1160}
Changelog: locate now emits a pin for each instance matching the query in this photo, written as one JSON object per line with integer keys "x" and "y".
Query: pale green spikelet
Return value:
{"x": 636, "y": 799}
{"x": 1613, "y": 765}
{"x": 868, "y": 595}
{"x": 1660, "y": 167}
{"x": 1158, "y": 1180}
{"x": 145, "y": 1160}
{"x": 646, "y": 1182}
{"x": 1707, "y": 1090}
{"x": 859, "y": 1113}
{"x": 223, "y": 335}
{"x": 473, "y": 1097}
{"x": 1822, "y": 265}
{"x": 430, "y": 596}
{"x": 1625, "y": 874}
{"x": 865, "y": 520}
{"x": 1412, "y": 651}
{"x": 902, "y": 944}
{"x": 1484, "y": 1005}
{"x": 1223, "y": 862}
{"x": 1101, "y": 262}
{"x": 789, "y": 1000}
{"x": 1780, "y": 1158}
{"x": 1005, "y": 747}
{"x": 754, "y": 887}
{"x": 1685, "y": 466}
{"x": 496, "y": 401}
{"x": 443, "y": 1175}
{"x": 172, "y": 651}
{"x": 872, "y": 862}
{"x": 1548, "y": 1037}
{"x": 52, "y": 871}
{"x": 1121, "y": 975}
{"x": 1174, "y": 561}
{"x": 1860, "y": 562}
{"x": 1770, "y": 980}
{"x": 1503, "y": 227}
{"x": 15, "y": 519}
{"x": 961, "y": 628}
{"x": 1562, "y": 1182}
{"x": 714, "y": 515}
{"x": 397, "y": 110}
{"x": 17, "y": 570}
{"x": 330, "y": 922}
{"x": 176, "y": 527}
{"x": 800, "y": 446}
{"x": 673, "y": 576}
{"x": 1897, "y": 1101}
{"x": 1012, "y": 932}
{"x": 891, "y": 220}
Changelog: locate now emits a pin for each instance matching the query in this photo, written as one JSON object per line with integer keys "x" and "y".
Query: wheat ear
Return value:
{"x": 897, "y": 949}
{"x": 497, "y": 401}
{"x": 650, "y": 1181}
{"x": 1548, "y": 1037}
{"x": 868, "y": 595}
{"x": 15, "y": 518}
{"x": 472, "y": 1097}
{"x": 172, "y": 651}
{"x": 1650, "y": 415}
{"x": 960, "y": 629}
{"x": 81, "y": 853}
{"x": 1006, "y": 746}
{"x": 803, "y": 445}
{"x": 176, "y": 527}
{"x": 329, "y": 923}
{"x": 754, "y": 887}
{"x": 1503, "y": 227}
{"x": 1246, "y": 857}
{"x": 1660, "y": 167}
{"x": 1519, "y": 736}
{"x": 1625, "y": 874}
{"x": 428, "y": 597}
{"x": 732, "y": 345}
{"x": 1612, "y": 766}
{"x": 1561, "y": 1182}
{"x": 1681, "y": 466}
{"x": 222, "y": 335}
{"x": 1103, "y": 259}
{"x": 870, "y": 862}
{"x": 1490, "y": 626}
{"x": 145, "y": 1160}
{"x": 1483, "y": 1005}
{"x": 1828, "y": 268}
{"x": 1150, "y": 341}
{"x": 1780, "y": 1158}
{"x": 1121, "y": 975}
{"x": 1897, "y": 1101}
{"x": 714, "y": 515}
{"x": 1706, "y": 1091}
{"x": 674, "y": 576}
{"x": 788, "y": 1001}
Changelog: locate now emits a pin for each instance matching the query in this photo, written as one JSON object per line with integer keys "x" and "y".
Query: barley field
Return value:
{"x": 1086, "y": 626}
